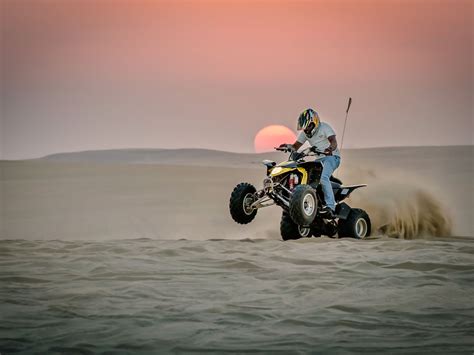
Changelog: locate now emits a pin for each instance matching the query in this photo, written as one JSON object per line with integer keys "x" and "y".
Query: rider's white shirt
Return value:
{"x": 320, "y": 138}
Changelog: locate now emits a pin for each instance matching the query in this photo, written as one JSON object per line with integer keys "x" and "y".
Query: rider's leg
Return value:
{"x": 330, "y": 164}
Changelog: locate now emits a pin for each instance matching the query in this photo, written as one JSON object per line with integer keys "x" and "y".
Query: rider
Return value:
{"x": 322, "y": 138}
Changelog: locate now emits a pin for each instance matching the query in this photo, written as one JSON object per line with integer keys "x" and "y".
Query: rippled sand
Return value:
{"x": 74, "y": 280}
{"x": 314, "y": 295}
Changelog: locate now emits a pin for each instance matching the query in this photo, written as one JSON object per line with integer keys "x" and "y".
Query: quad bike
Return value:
{"x": 294, "y": 186}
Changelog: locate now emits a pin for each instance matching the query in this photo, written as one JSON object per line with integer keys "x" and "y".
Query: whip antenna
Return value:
{"x": 345, "y": 122}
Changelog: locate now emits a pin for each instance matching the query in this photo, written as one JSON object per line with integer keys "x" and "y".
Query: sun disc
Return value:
{"x": 272, "y": 136}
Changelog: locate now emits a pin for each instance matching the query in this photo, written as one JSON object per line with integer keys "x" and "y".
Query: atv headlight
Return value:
{"x": 276, "y": 170}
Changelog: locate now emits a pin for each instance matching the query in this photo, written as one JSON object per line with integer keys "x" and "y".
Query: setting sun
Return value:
{"x": 272, "y": 136}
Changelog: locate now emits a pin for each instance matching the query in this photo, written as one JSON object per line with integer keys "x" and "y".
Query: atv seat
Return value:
{"x": 335, "y": 179}
{"x": 335, "y": 185}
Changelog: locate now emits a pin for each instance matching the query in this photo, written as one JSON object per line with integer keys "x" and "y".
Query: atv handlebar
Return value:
{"x": 304, "y": 152}
{"x": 283, "y": 149}
{"x": 314, "y": 150}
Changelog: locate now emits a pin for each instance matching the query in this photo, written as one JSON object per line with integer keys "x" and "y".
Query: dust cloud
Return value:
{"x": 401, "y": 206}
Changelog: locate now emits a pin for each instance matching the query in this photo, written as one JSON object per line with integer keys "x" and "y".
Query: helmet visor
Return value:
{"x": 309, "y": 128}
{"x": 304, "y": 120}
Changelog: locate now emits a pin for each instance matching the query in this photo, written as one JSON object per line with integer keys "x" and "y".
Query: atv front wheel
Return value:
{"x": 289, "y": 230}
{"x": 357, "y": 225}
{"x": 303, "y": 205}
{"x": 240, "y": 201}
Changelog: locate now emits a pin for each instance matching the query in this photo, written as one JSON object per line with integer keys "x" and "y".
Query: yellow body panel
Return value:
{"x": 279, "y": 170}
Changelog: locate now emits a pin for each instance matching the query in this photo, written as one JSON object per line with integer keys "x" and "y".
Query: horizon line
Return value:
{"x": 229, "y": 152}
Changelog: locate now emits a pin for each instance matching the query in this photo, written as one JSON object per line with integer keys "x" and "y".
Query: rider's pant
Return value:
{"x": 330, "y": 163}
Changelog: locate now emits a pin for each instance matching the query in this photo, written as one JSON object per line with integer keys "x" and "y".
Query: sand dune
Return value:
{"x": 193, "y": 157}
{"x": 172, "y": 194}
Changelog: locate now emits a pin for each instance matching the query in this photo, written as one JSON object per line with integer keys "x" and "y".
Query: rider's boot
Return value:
{"x": 327, "y": 212}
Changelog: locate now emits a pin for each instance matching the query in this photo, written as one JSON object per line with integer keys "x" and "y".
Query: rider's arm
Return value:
{"x": 297, "y": 145}
{"x": 332, "y": 144}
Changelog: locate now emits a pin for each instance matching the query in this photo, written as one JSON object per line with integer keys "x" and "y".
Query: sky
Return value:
{"x": 82, "y": 75}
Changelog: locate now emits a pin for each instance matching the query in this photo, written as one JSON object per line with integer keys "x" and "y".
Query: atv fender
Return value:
{"x": 342, "y": 210}
{"x": 342, "y": 192}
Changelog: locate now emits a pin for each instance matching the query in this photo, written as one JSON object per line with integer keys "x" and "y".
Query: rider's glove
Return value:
{"x": 288, "y": 147}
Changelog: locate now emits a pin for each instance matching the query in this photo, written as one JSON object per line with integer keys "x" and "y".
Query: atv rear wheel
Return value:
{"x": 303, "y": 205}
{"x": 357, "y": 225}
{"x": 289, "y": 230}
{"x": 240, "y": 201}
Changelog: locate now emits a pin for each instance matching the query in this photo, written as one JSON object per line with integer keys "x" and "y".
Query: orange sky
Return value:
{"x": 111, "y": 74}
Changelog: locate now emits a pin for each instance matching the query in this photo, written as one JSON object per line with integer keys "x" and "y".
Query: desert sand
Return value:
{"x": 417, "y": 192}
{"x": 135, "y": 250}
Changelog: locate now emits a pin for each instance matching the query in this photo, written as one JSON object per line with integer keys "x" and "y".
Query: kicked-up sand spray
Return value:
{"x": 401, "y": 210}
